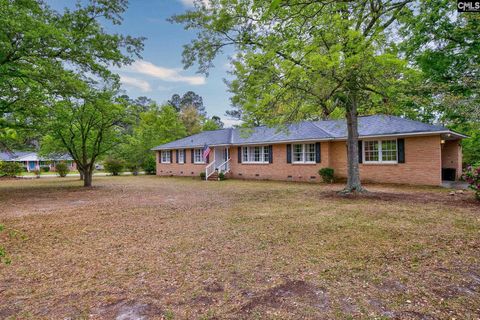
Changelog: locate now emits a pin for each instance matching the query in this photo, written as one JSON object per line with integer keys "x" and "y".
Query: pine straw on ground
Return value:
{"x": 173, "y": 248}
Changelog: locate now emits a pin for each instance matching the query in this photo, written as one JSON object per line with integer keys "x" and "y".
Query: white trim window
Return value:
{"x": 256, "y": 154}
{"x": 304, "y": 153}
{"x": 181, "y": 156}
{"x": 165, "y": 156}
{"x": 380, "y": 151}
{"x": 198, "y": 156}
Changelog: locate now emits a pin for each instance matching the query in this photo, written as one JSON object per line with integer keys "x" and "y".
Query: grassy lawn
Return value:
{"x": 31, "y": 174}
{"x": 171, "y": 248}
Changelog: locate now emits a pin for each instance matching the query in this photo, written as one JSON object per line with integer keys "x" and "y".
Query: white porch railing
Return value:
{"x": 209, "y": 170}
{"x": 224, "y": 167}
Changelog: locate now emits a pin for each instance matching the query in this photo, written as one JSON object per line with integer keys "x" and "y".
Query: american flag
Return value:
{"x": 206, "y": 151}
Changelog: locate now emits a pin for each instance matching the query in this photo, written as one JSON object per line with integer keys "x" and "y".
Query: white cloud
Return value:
{"x": 191, "y": 3}
{"x": 165, "y": 74}
{"x": 143, "y": 85}
{"x": 228, "y": 123}
{"x": 187, "y": 3}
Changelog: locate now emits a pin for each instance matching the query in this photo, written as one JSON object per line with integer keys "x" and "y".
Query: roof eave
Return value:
{"x": 407, "y": 134}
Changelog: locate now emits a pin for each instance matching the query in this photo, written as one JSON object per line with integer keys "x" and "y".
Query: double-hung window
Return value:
{"x": 165, "y": 156}
{"x": 198, "y": 156}
{"x": 304, "y": 153}
{"x": 255, "y": 154}
{"x": 181, "y": 156}
{"x": 380, "y": 151}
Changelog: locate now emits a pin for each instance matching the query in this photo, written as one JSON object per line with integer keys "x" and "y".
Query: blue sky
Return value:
{"x": 160, "y": 72}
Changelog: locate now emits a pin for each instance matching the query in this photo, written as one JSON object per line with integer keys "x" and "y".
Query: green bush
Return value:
{"x": 37, "y": 173}
{"x": 327, "y": 175}
{"x": 10, "y": 169}
{"x": 45, "y": 169}
{"x": 202, "y": 175}
{"x": 62, "y": 169}
{"x": 113, "y": 166}
{"x": 149, "y": 166}
{"x": 221, "y": 176}
{"x": 472, "y": 176}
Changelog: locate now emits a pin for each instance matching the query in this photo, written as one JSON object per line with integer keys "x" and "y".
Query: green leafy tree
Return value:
{"x": 189, "y": 99}
{"x": 445, "y": 45}
{"x": 192, "y": 120}
{"x": 213, "y": 123}
{"x": 155, "y": 127}
{"x": 301, "y": 59}
{"x": 87, "y": 128}
{"x": 114, "y": 166}
{"x": 44, "y": 54}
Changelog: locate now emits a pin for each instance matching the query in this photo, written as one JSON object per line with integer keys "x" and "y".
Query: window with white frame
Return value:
{"x": 304, "y": 153}
{"x": 255, "y": 154}
{"x": 165, "y": 156}
{"x": 198, "y": 156}
{"x": 380, "y": 151}
{"x": 181, "y": 156}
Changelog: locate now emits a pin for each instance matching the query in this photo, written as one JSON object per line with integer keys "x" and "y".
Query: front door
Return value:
{"x": 221, "y": 155}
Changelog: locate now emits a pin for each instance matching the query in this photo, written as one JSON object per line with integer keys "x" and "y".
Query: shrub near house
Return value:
{"x": 10, "y": 169}
{"x": 472, "y": 176}
{"x": 113, "y": 166}
{"x": 62, "y": 169}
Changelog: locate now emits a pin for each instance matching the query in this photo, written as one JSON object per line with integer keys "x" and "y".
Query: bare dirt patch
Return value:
{"x": 288, "y": 295}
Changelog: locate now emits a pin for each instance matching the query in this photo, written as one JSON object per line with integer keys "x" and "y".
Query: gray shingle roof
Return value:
{"x": 377, "y": 125}
{"x": 30, "y": 156}
{"x": 11, "y": 155}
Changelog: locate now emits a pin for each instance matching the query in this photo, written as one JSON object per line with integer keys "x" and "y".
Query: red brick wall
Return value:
{"x": 279, "y": 169}
{"x": 423, "y": 162}
{"x": 187, "y": 169}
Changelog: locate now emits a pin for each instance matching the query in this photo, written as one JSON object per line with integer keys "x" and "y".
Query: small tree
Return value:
{"x": 10, "y": 169}
{"x": 113, "y": 166}
{"x": 62, "y": 169}
{"x": 87, "y": 128}
{"x": 149, "y": 166}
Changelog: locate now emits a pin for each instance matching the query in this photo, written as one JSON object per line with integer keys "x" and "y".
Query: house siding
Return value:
{"x": 279, "y": 169}
{"x": 423, "y": 163}
{"x": 187, "y": 169}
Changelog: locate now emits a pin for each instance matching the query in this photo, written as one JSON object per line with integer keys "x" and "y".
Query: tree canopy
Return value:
{"x": 87, "y": 128}
{"x": 45, "y": 54}
{"x": 188, "y": 100}
{"x": 445, "y": 46}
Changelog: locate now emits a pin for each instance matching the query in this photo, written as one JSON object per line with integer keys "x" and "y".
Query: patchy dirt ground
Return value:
{"x": 168, "y": 248}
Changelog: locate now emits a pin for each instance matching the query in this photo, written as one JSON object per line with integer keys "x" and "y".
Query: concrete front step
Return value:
{"x": 213, "y": 177}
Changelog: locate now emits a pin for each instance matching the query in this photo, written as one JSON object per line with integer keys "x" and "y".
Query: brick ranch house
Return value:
{"x": 391, "y": 150}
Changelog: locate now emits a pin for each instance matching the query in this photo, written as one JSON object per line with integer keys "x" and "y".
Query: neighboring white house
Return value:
{"x": 31, "y": 161}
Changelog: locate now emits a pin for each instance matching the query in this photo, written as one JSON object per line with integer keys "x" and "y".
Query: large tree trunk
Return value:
{"x": 353, "y": 179}
{"x": 81, "y": 174}
{"x": 87, "y": 177}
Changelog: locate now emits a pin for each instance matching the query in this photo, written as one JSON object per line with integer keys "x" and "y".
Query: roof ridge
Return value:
{"x": 321, "y": 129}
